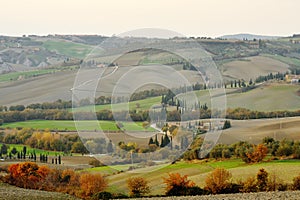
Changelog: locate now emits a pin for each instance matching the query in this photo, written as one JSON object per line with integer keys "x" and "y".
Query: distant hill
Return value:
{"x": 242, "y": 36}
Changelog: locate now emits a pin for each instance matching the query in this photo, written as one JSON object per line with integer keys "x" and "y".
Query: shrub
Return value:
{"x": 95, "y": 163}
{"x": 249, "y": 185}
{"x": 273, "y": 182}
{"x": 262, "y": 180}
{"x": 218, "y": 180}
{"x": 232, "y": 188}
{"x": 27, "y": 174}
{"x": 195, "y": 190}
{"x": 102, "y": 195}
{"x": 91, "y": 184}
{"x": 296, "y": 183}
{"x": 66, "y": 181}
{"x": 138, "y": 186}
{"x": 258, "y": 154}
{"x": 177, "y": 185}
{"x": 285, "y": 148}
{"x": 283, "y": 186}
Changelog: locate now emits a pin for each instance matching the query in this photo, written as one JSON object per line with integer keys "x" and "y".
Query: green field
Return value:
{"x": 260, "y": 99}
{"x": 145, "y": 104}
{"x": 23, "y": 75}
{"x": 252, "y": 67}
{"x": 61, "y": 125}
{"x": 19, "y": 148}
{"x": 68, "y": 48}
{"x": 287, "y": 60}
{"x": 267, "y": 98}
{"x": 272, "y": 97}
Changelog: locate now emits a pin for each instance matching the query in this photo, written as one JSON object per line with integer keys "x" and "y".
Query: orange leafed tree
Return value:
{"x": 177, "y": 184}
{"x": 138, "y": 186}
{"x": 217, "y": 180}
{"x": 27, "y": 174}
{"x": 92, "y": 183}
{"x": 259, "y": 153}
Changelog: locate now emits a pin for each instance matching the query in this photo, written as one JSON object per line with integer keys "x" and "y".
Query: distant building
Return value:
{"x": 295, "y": 81}
{"x": 292, "y": 78}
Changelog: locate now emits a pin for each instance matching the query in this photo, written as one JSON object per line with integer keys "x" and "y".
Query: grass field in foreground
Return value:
{"x": 69, "y": 125}
{"x": 198, "y": 170}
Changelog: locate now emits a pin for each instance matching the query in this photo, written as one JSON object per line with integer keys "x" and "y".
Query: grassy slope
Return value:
{"x": 61, "y": 125}
{"x": 267, "y": 98}
{"x": 70, "y": 49}
{"x": 264, "y": 98}
{"x": 255, "y": 130}
{"x": 145, "y": 104}
{"x": 287, "y": 60}
{"x": 252, "y": 67}
{"x": 198, "y": 170}
{"x": 15, "y": 75}
{"x": 19, "y": 148}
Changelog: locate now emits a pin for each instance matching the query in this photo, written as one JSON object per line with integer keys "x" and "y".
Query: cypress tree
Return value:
{"x": 150, "y": 141}
{"x": 166, "y": 140}
{"x": 110, "y": 147}
{"x": 24, "y": 151}
{"x": 34, "y": 156}
{"x": 156, "y": 141}
{"x": 162, "y": 144}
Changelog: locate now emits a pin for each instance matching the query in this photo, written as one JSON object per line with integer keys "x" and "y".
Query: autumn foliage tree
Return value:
{"x": 91, "y": 184}
{"x": 177, "y": 185}
{"x": 258, "y": 154}
{"x": 27, "y": 174}
{"x": 262, "y": 179}
{"x": 218, "y": 180}
{"x": 138, "y": 186}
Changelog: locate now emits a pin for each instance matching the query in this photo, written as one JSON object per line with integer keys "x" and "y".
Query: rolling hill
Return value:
{"x": 242, "y": 36}
{"x": 252, "y": 67}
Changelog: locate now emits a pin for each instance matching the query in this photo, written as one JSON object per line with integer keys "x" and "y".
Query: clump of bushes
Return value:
{"x": 218, "y": 181}
{"x": 138, "y": 186}
{"x": 32, "y": 176}
{"x": 177, "y": 185}
{"x": 296, "y": 183}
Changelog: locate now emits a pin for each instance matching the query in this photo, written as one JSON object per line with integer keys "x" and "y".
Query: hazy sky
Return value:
{"x": 189, "y": 17}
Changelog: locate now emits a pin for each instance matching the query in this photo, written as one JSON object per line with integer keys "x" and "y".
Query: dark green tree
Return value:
{"x": 151, "y": 141}
{"x": 4, "y": 148}
{"x": 156, "y": 141}
{"x": 14, "y": 150}
{"x": 110, "y": 147}
{"x": 24, "y": 152}
{"x": 166, "y": 140}
{"x": 227, "y": 124}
